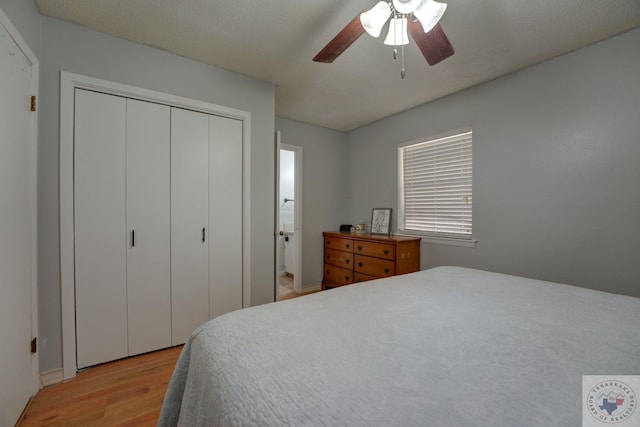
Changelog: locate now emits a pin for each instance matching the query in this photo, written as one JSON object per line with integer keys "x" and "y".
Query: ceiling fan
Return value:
{"x": 419, "y": 17}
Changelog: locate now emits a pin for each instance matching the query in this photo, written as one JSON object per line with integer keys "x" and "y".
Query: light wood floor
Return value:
{"x": 285, "y": 289}
{"x": 127, "y": 392}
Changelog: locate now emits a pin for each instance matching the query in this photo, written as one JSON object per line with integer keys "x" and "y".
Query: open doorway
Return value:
{"x": 288, "y": 222}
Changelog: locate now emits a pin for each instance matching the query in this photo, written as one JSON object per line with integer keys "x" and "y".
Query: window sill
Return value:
{"x": 450, "y": 241}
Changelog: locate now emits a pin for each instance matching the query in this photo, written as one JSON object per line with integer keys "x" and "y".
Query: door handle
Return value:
{"x": 204, "y": 235}
{"x": 133, "y": 238}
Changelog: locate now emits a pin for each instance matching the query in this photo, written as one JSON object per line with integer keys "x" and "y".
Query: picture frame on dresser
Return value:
{"x": 381, "y": 221}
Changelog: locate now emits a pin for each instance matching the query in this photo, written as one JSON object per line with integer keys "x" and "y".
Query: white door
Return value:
{"x": 148, "y": 226}
{"x": 16, "y": 229}
{"x": 225, "y": 215}
{"x": 100, "y": 227}
{"x": 189, "y": 222}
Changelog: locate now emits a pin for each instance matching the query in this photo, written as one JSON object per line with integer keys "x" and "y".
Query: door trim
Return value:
{"x": 68, "y": 83}
{"x": 33, "y": 185}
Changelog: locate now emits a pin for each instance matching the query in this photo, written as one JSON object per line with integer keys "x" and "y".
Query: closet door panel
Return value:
{"x": 225, "y": 215}
{"x": 189, "y": 216}
{"x": 148, "y": 226}
{"x": 100, "y": 227}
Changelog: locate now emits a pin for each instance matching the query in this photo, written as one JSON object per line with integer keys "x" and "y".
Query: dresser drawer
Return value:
{"x": 338, "y": 258}
{"x": 340, "y": 276}
{"x": 359, "y": 277}
{"x": 339, "y": 244}
{"x": 374, "y": 266}
{"x": 359, "y": 257}
{"x": 378, "y": 250}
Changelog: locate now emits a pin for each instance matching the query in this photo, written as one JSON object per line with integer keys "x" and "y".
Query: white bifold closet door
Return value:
{"x": 148, "y": 225}
{"x": 122, "y": 240}
{"x": 158, "y": 224}
{"x": 100, "y": 227}
{"x": 225, "y": 215}
{"x": 189, "y": 222}
{"x": 206, "y": 219}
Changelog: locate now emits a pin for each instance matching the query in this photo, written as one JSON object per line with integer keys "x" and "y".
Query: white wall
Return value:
{"x": 324, "y": 188}
{"x": 73, "y": 48}
{"x": 556, "y": 178}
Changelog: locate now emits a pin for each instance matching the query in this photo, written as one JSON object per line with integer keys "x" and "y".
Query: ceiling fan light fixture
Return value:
{"x": 429, "y": 13}
{"x": 374, "y": 19}
{"x": 406, "y": 6}
{"x": 405, "y": 17}
{"x": 397, "y": 35}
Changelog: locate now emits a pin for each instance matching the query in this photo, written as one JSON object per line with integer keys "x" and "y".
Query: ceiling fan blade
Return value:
{"x": 434, "y": 45}
{"x": 342, "y": 41}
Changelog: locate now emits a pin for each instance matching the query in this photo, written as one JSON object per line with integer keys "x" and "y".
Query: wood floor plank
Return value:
{"x": 127, "y": 392}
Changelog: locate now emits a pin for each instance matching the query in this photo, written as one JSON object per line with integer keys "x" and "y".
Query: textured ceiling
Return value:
{"x": 275, "y": 40}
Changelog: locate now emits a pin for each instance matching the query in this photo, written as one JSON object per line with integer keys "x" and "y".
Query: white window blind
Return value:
{"x": 436, "y": 186}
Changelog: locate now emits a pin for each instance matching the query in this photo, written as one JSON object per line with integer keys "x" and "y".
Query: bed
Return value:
{"x": 447, "y": 346}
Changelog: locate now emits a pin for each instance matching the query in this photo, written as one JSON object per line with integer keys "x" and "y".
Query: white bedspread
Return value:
{"x": 441, "y": 347}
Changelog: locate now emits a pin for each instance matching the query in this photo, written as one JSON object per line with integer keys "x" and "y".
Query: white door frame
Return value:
{"x": 276, "y": 218}
{"x": 297, "y": 273}
{"x": 33, "y": 185}
{"x": 68, "y": 83}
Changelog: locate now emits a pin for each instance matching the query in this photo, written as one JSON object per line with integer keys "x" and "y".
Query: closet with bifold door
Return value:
{"x": 158, "y": 199}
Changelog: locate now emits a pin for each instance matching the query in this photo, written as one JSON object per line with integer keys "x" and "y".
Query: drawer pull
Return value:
{"x": 386, "y": 251}
{"x": 360, "y": 247}
{"x": 328, "y": 256}
{"x": 328, "y": 272}
{"x": 360, "y": 264}
{"x": 386, "y": 270}
{"x": 328, "y": 242}
{"x": 346, "y": 278}
{"x": 348, "y": 246}
{"x": 347, "y": 261}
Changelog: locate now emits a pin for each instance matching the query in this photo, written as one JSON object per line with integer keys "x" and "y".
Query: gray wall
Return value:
{"x": 556, "y": 178}
{"x": 73, "y": 48}
{"x": 324, "y": 188}
{"x": 25, "y": 17}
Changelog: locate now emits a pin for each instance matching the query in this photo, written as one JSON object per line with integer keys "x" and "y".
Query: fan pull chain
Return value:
{"x": 402, "y": 72}
{"x": 395, "y": 38}
{"x": 395, "y": 48}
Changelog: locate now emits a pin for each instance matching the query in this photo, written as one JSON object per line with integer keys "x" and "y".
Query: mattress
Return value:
{"x": 447, "y": 346}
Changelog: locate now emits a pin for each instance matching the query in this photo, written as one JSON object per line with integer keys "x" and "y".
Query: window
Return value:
{"x": 435, "y": 186}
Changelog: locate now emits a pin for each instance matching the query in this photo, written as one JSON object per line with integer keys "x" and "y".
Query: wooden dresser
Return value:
{"x": 355, "y": 257}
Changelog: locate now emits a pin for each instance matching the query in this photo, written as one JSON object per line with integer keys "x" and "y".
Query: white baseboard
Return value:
{"x": 54, "y": 376}
{"x": 311, "y": 288}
